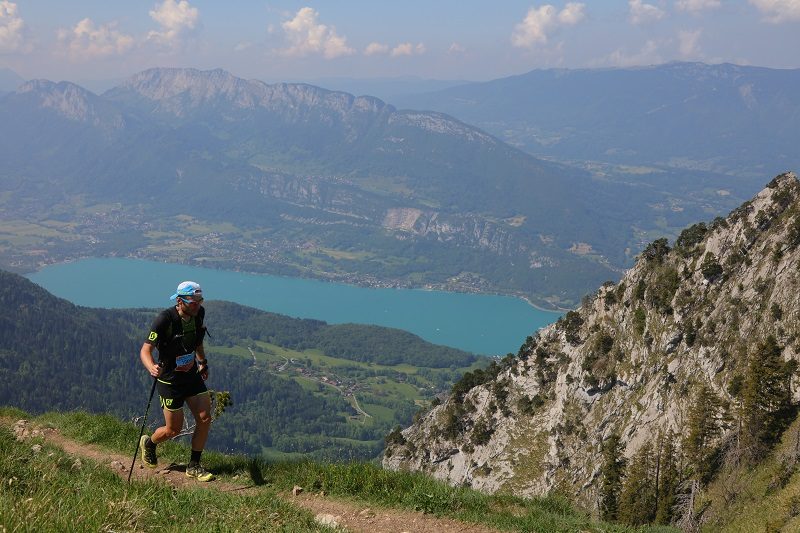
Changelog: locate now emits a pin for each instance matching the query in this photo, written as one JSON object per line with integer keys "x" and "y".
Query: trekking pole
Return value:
{"x": 141, "y": 432}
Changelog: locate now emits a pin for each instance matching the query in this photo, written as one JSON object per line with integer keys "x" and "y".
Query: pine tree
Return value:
{"x": 705, "y": 423}
{"x": 766, "y": 399}
{"x": 668, "y": 479}
{"x": 637, "y": 500}
{"x": 612, "y": 473}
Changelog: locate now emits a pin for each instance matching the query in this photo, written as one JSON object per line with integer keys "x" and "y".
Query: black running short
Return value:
{"x": 173, "y": 394}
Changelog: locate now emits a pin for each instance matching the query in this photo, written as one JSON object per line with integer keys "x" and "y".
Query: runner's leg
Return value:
{"x": 200, "y": 406}
{"x": 173, "y": 424}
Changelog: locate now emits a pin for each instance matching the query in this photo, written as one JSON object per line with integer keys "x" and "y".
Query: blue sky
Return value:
{"x": 434, "y": 39}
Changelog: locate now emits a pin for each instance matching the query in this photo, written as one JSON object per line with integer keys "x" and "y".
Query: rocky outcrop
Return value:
{"x": 627, "y": 362}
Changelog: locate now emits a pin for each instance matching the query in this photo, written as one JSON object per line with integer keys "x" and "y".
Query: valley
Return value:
{"x": 204, "y": 168}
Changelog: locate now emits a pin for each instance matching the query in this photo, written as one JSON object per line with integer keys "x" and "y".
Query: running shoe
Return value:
{"x": 148, "y": 452}
{"x": 199, "y": 473}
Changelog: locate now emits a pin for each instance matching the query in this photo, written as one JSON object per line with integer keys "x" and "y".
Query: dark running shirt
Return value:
{"x": 176, "y": 341}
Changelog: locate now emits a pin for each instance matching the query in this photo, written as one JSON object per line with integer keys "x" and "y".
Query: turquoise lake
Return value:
{"x": 483, "y": 324}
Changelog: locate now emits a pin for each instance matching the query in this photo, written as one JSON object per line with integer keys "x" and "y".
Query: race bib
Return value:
{"x": 184, "y": 363}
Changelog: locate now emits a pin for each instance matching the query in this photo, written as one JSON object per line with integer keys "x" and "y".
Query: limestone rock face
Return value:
{"x": 628, "y": 361}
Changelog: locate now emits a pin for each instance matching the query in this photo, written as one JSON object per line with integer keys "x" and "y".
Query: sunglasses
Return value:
{"x": 191, "y": 302}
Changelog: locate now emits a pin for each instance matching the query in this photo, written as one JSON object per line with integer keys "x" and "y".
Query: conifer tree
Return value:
{"x": 637, "y": 500}
{"x": 766, "y": 399}
{"x": 612, "y": 472}
{"x": 668, "y": 479}
{"x": 705, "y": 423}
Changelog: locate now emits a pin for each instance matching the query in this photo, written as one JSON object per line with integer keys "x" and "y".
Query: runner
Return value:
{"x": 177, "y": 333}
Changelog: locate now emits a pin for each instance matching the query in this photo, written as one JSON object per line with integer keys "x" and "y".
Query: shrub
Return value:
{"x": 656, "y": 250}
{"x": 395, "y": 437}
{"x": 572, "y": 323}
{"x": 482, "y": 432}
{"x": 639, "y": 320}
{"x": 710, "y": 268}
{"x": 691, "y": 236}
{"x": 662, "y": 289}
{"x": 793, "y": 234}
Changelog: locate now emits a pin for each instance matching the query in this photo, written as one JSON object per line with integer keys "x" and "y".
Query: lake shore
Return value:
{"x": 488, "y": 324}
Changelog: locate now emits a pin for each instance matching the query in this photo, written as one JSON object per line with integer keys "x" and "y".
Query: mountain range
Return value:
{"x": 729, "y": 119}
{"x": 299, "y": 180}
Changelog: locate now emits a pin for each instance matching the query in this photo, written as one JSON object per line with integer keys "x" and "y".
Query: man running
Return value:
{"x": 177, "y": 333}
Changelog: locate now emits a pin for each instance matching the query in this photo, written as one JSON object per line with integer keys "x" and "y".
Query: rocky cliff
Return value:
{"x": 629, "y": 362}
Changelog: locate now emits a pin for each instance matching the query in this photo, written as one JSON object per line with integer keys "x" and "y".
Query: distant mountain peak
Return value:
{"x": 179, "y": 90}
{"x": 72, "y": 102}
{"x": 163, "y": 83}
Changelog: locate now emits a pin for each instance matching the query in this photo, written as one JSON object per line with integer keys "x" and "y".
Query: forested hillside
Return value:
{"x": 296, "y": 384}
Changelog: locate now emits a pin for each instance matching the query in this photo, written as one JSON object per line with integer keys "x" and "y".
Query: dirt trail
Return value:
{"x": 346, "y": 515}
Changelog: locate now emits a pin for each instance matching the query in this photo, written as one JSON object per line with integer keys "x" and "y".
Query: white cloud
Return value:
{"x": 641, "y": 13}
{"x": 408, "y": 49}
{"x": 688, "y": 43}
{"x": 697, "y": 5}
{"x": 307, "y": 36}
{"x": 456, "y": 48}
{"x": 11, "y": 27}
{"x": 86, "y": 41}
{"x": 571, "y": 14}
{"x": 175, "y": 18}
{"x": 778, "y": 11}
{"x": 376, "y": 49}
{"x": 541, "y": 21}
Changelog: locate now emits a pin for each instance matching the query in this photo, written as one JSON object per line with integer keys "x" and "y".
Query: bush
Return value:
{"x": 662, "y": 289}
{"x": 482, "y": 432}
{"x": 639, "y": 320}
{"x": 710, "y": 268}
{"x": 656, "y": 250}
{"x": 691, "y": 236}
{"x": 794, "y": 231}
{"x": 572, "y": 323}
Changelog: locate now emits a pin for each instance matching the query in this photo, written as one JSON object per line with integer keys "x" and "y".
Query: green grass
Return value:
{"x": 46, "y": 490}
{"x": 63, "y": 493}
{"x": 765, "y": 497}
{"x": 384, "y": 414}
{"x": 372, "y": 389}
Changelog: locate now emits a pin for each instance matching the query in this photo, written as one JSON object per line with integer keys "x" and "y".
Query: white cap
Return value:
{"x": 188, "y": 288}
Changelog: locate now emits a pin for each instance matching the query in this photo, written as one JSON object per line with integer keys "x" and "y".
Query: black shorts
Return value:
{"x": 173, "y": 394}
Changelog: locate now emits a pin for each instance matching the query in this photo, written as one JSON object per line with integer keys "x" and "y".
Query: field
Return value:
{"x": 383, "y": 396}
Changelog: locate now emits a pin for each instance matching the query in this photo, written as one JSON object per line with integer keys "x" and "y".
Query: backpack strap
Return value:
{"x": 175, "y": 328}
{"x": 200, "y": 329}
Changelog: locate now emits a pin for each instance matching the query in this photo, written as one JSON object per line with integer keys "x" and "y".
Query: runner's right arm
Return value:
{"x": 159, "y": 328}
{"x": 146, "y": 355}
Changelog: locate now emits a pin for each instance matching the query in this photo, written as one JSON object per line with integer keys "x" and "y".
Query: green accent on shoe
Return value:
{"x": 199, "y": 473}
{"x": 148, "y": 452}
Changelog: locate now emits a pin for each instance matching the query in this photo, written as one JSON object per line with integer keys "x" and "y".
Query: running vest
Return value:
{"x": 176, "y": 342}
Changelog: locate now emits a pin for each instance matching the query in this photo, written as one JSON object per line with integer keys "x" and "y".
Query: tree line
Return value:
{"x": 659, "y": 482}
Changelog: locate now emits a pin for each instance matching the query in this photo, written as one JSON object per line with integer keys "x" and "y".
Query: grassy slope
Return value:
{"x": 48, "y": 492}
{"x": 761, "y": 498}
